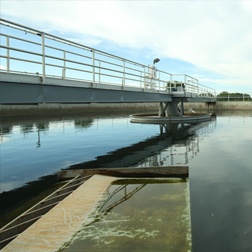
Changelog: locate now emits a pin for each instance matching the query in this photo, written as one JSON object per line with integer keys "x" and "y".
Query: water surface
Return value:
{"x": 146, "y": 215}
{"x": 218, "y": 154}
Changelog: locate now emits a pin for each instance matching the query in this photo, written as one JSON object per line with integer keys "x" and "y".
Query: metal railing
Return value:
{"x": 245, "y": 97}
{"x": 31, "y": 52}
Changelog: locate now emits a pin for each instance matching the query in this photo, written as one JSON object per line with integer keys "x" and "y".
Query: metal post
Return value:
{"x": 93, "y": 61}
{"x": 171, "y": 83}
{"x": 8, "y": 54}
{"x": 161, "y": 108}
{"x": 64, "y": 66}
{"x": 141, "y": 79}
{"x": 182, "y": 107}
{"x": 159, "y": 80}
{"x": 43, "y": 58}
{"x": 123, "y": 80}
{"x": 144, "y": 78}
{"x": 99, "y": 72}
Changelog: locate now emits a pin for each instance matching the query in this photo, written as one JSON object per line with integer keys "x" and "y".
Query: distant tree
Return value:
{"x": 226, "y": 96}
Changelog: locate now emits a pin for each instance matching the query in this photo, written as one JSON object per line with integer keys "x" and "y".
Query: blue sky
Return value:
{"x": 208, "y": 39}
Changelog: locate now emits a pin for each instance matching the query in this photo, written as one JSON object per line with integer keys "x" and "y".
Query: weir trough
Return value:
{"x": 171, "y": 112}
{"x": 155, "y": 118}
{"x": 68, "y": 225}
{"x": 150, "y": 172}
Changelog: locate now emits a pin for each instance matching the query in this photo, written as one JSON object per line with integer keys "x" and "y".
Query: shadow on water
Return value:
{"x": 136, "y": 154}
{"x": 133, "y": 155}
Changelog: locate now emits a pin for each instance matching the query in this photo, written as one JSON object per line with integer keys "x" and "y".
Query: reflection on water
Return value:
{"x": 185, "y": 144}
{"x": 139, "y": 215}
{"x": 218, "y": 154}
{"x": 33, "y": 148}
{"x": 32, "y": 151}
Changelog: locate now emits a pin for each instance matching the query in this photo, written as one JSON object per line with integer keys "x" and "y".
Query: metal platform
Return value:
{"x": 37, "y": 67}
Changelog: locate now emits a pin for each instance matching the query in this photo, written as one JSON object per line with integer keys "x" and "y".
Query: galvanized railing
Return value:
{"x": 31, "y": 52}
{"x": 241, "y": 97}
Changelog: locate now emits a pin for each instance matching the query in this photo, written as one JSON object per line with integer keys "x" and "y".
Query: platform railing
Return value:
{"x": 31, "y": 52}
{"x": 241, "y": 97}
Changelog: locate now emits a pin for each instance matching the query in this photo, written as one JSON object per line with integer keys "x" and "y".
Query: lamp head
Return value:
{"x": 156, "y": 60}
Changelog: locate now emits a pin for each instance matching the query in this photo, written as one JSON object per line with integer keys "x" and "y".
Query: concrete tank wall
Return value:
{"x": 219, "y": 106}
{"x": 57, "y": 109}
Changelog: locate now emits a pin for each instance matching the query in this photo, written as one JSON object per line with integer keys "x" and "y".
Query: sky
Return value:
{"x": 208, "y": 39}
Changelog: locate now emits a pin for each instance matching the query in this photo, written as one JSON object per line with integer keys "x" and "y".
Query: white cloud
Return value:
{"x": 212, "y": 35}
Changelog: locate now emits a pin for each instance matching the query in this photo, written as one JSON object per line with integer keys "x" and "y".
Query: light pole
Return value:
{"x": 156, "y": 60}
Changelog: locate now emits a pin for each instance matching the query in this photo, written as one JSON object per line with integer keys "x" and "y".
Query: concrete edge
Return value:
{"x": 56, "y": 228}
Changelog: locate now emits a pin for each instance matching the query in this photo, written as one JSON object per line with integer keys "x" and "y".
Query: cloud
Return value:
{"x": 214, "y": 36}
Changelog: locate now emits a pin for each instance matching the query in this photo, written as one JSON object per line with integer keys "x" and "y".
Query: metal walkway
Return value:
{"x": 36, "y": 67}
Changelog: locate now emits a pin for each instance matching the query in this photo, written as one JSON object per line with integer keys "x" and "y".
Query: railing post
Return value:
{"x": 159, "y": 81}
{"x": 171, "y": 83}
{"x": 93, "y": 62}
{"x": 8, "y": 54}
{"x": 144, "y": 78}
{"x": 43, "y": 58}
{"x": 64, "y": 66}
{"x": 99, "y": 72}
{"x": 123, "y": 80}
{"x": 141, "y": 78}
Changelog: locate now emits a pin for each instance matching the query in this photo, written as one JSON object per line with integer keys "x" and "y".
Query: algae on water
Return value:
{"x": 139, "y": 217}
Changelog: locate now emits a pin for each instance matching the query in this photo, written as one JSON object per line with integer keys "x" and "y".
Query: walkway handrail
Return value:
{"x": 36, "y": 53}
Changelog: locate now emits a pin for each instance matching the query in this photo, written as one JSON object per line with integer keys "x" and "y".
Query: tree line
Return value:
{"x": 226, "y": 96}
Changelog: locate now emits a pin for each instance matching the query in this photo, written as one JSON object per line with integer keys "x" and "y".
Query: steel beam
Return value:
{"x": 26, "y": 93}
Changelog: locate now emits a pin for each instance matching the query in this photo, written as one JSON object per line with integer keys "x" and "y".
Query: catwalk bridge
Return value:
{"x": 36, "y": 67}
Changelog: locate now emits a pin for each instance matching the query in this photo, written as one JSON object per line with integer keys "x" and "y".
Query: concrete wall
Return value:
{"x": 219, "y": 106}
{"x": 59, "y": 109}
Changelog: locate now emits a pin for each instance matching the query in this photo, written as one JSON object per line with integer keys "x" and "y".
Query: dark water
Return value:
{"x": 221, "y": 187}
{"x": 218, "y": 154}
